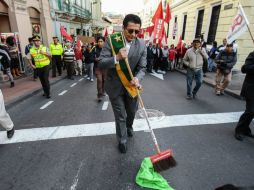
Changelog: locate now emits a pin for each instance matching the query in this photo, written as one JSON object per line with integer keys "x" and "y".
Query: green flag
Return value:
{"x": 117, "y": 42}
{"x": 149, "y": 178}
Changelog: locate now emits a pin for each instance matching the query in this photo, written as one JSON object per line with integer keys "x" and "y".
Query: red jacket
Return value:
{"x": 78, "y": 54}
{"x": 171, "y": 54}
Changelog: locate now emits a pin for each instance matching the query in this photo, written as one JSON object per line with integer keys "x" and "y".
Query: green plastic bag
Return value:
{"x": 149, "y": 178}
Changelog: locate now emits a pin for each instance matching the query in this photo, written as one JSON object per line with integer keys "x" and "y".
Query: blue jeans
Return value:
{"x": 211, "y": 65}
{"x": 198, "y": 76}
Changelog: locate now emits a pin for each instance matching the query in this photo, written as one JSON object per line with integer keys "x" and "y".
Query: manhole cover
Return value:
{"x": 153, "y": 115}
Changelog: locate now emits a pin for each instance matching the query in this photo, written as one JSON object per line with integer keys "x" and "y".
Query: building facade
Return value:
{"x": 210, "y": 19}
{"x": 26, "y": 17}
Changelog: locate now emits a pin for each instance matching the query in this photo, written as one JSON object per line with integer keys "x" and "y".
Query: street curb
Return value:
{"x": 19, "y": 99}
{"x": 227, "y": 91}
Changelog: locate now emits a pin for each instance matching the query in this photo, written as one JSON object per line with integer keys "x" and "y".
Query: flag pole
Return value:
{"x": 247, "y": 23}
{"x": 250, "y": 33}
{"x": 168, "y": 30}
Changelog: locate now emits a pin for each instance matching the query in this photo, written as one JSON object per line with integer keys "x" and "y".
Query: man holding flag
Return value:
{"x": 119, "y": 49}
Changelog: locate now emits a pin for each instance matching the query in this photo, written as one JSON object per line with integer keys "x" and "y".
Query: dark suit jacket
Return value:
{"x": 137, "y": 61}
{"x": 158, "y": 54}
{"x": 150, "y": 54}
{"x": 248, "y": 84}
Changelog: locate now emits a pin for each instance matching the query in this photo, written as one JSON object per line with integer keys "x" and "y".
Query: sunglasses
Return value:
{"x": 100, "y": 41}
{"x": 130, "y": 31}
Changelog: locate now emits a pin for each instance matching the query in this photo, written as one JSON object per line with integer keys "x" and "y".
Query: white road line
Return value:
{"x": 62, "y": 93}
{"x": 75, "y": 181}
{"x": 81, "y": 79}
{"x": 46, "y": 105}
{"x": 105, "y": 105}
{"x": 74, "y": 84}
{"x": 160, "y": 76}
{"x": 96, "y": 129}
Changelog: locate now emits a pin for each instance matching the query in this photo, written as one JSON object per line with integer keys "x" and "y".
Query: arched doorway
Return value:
{"x": 34, "y": 15}
{"x": 4, "y": 18}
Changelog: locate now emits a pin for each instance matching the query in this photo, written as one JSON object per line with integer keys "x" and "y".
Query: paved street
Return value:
{"x": 68, "y": 142}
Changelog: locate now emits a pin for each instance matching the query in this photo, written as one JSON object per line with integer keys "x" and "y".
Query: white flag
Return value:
{"x": 239, "y": 25}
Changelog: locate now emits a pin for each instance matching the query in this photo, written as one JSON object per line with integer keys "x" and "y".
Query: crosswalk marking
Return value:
{"x": 46, "y": 105}
{"x": 74, "y": 84}
{"x": 105, "y": 106}
{"x": 62, "y": 93}
{"x": 96, "y": 129}
{"x": 160, "y": 76}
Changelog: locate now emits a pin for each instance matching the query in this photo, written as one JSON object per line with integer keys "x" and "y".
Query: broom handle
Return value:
{"x": 143, "y": 107}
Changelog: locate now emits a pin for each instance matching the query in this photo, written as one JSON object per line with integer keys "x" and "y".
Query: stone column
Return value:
{"x": 46, "y": 23}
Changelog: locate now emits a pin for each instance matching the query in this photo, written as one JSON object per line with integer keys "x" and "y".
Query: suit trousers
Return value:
{"x": 124, "y": 108}
{"x": 101, "y": 76}
{"x": 149, "y": 65}
{"x": 43, "y": 74}
{"x": 56, "y": 64}
{"x": 5, "y": 120}
{"x": 243, "y": 126}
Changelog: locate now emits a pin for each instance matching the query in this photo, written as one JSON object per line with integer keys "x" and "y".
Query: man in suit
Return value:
{"x": 157, "y": 58}
{"x": 150, "y": 57}
{"x": 243, "y": 126}
{"x": 124, "y": 106}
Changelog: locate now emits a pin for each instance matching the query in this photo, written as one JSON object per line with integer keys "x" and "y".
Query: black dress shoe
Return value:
{"x": 130, "y": 132}
{"x": 48, "y": 97}
{"x": 249, "y": 135}
{"x": 10, "y": 133}
{"x": 239, "y": 137}
{"x": 122, "y": 147}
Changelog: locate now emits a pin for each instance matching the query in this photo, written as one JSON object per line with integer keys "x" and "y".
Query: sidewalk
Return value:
{"x": 234, "y": 88}
{"x": 23, "y": 89}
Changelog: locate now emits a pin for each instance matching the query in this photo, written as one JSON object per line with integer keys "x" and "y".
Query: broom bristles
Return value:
{"x": 164, "y": 164}
{"x": 163, "y": 161}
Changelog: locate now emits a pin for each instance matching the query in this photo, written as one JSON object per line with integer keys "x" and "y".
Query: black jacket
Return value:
{"x": 89, "y": 56}
{"x": 5, "y": 57}
{"x": 248, "y": 84}
{"x": 97, "y": 55}
{"x": 225, "y": 60}
{"x": 150, "y": 54}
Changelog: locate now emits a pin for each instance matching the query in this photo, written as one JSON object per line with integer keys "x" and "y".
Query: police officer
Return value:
{"x": 41, "y": 56}
{"x": 56, "y": 50}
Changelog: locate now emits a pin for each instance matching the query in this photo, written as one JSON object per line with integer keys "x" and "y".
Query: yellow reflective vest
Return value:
{"x": 40, "y": 60}
{"x": 56, "y": 49}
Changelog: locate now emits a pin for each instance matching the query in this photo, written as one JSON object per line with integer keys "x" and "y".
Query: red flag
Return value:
{"x": 164, "y": 38}
{"x": 158, "y": 29}
{"x": 65, "y": 34}
{"x": 158, "y": 14}
{"x": 168, "y": 14}
{"x": 106, "y": 34}
{"x": 180, "y": 44}
{"x": 79, "y": 44}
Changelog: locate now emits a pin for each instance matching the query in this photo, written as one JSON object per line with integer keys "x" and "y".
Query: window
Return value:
{"x": 213, "y": 23}
{"x": 78, "y": 2}
{"x": 184, "y": 26}
{"x": 199, "y": 23}
{"x": 175, "y": 28}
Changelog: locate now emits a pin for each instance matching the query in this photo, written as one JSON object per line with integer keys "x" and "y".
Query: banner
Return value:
{"x": 239, "y": 25}
{"x": 158, "y": 29}
{"x": 174, "y": 33}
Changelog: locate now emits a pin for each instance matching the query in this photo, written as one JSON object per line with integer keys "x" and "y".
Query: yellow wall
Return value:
{"x": 245, "y": 44}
